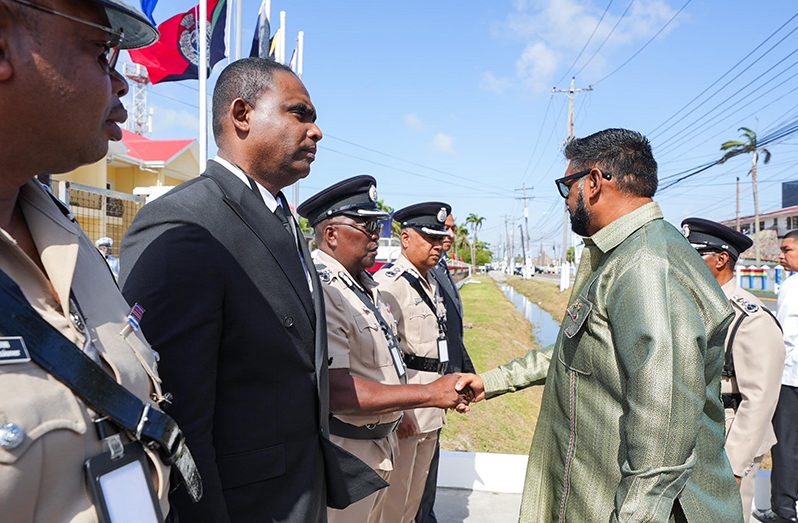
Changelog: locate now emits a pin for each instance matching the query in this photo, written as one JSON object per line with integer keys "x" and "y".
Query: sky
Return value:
{"x": 452, "y": 100}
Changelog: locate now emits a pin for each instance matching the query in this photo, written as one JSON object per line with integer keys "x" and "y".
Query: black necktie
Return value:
{"x": 280, "y": 213}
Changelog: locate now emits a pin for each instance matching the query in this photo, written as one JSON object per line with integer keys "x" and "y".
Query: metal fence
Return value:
{"x": 100, "y": 212}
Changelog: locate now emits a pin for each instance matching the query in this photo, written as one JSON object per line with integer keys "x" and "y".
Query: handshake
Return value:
{"x": 457, "y": 391}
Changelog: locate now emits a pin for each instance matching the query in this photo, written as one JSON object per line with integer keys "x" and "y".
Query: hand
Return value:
{"x": 444, "y": 395}
{"x": 408, "y": 427}
{"x": 472, "y": 387}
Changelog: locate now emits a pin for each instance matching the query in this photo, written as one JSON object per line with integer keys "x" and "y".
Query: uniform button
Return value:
{"x": 11, "y": 436}
{"x": 288, "y": 321}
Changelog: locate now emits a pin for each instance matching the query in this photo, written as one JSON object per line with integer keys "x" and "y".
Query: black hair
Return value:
{"x": 624, "y": 154}
{"x": 246, "y": 79}
{"x": 792, "y": 235}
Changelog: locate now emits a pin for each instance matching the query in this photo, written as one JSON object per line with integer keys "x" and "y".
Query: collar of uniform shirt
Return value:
{"x": 268, "y": 198}
{"x": 613, "y": 234}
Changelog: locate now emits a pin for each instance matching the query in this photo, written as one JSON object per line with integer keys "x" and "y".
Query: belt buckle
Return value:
{"x": 442, "y": 366}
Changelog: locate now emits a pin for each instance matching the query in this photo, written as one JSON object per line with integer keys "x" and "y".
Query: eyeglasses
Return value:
{"x": 564, "y": 186}
{"x": 112, "y": 45}
{"x": 369, "y": 228}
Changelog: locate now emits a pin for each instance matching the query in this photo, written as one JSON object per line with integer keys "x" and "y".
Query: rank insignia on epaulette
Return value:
{"x": 393, "y": 272}
{"x": 746, "y": 305}
{"x": 325, "y": 275}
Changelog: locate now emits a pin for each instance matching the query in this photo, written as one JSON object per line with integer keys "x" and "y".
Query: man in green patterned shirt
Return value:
{"x": 631, "y": 428}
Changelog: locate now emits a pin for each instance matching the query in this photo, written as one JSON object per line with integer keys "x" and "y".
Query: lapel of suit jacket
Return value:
{"x": 267, "y": 227}
{"x": 441, "y": 274}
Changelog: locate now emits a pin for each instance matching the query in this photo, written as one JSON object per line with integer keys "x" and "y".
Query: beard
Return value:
{"x": 580, "y": 217}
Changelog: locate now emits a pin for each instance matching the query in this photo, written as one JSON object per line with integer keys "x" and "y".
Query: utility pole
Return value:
{"x": 738, "y": 204}
{"x": 523, "y": 249}
{"x": 509, "y": 231}
{"x": 525, "y": 269}
{"x": 565, "y": 274}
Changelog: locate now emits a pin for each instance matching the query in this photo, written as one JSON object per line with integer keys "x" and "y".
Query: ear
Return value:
{"x": 722, "y": 260}
{"x": 6, "y": 70}
{"x": 405, "y": 238}
{"x": 331, "y": 236}
{"x": 240, "y": 115}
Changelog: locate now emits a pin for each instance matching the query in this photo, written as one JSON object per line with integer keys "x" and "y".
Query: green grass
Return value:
{"x": 543, "y": 292}
{"x": 497, "y": 334}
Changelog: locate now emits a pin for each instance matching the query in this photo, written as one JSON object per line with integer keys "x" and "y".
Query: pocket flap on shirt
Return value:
{"x": 575, "y": 316}
{"x": 252, "y": 466}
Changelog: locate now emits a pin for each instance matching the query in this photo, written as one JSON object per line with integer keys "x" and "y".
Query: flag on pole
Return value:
{"x": 175, "y": 56}
{"x": 261, "y": 43}
{"x": 147, "y": 7}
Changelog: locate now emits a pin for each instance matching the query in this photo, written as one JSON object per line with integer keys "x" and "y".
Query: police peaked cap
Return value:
{"x": 706, "y": 234}
{"x": 355, "y": 197}
{"x": 427, "y": 217}
{"x": 137, "y": 30}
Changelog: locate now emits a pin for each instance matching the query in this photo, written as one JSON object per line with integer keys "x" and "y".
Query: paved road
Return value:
{"x": 473, "y": 506}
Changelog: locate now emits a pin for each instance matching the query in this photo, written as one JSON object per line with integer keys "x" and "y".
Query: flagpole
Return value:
{"x": 202, "y": 74}
{"x": 239, "y": 23}
{"x": 281, "y": 46}
{"x": 269, "y": 10}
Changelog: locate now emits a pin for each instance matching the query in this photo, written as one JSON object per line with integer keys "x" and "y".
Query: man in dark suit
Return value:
{"x": 459, "y": 361}
{"x": 235, "y": 309}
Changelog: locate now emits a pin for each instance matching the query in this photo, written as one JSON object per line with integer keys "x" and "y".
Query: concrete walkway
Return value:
{"x": 474, "y": 506}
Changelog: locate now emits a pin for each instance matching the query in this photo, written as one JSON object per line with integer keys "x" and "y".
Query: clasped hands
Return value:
{"x": 457, "y": 391}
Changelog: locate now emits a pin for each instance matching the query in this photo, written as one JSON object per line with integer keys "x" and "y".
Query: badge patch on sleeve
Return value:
{"x": 13, "y": 350}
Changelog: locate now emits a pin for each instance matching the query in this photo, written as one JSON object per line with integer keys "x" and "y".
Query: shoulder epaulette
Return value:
{"x": 744, "y": 305}
{"x": 394, "y": 272}
{"x": 325, "y": 274}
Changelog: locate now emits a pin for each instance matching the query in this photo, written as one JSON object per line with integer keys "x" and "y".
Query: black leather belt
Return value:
{"x": 731, "y": 401}
{"x": 379, "y": 431}
{"x": 424, "y": 364}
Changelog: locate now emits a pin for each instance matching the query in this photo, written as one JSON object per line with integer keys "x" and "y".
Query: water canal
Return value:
{"x": 544, "y": 327}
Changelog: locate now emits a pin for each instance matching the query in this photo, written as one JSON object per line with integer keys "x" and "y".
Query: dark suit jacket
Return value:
{"x": 229, "y": 310}
{"x": 459, "y": 361}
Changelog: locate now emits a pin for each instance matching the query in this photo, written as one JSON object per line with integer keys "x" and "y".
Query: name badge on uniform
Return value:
{"x": 398, "y": 362}
{"x": 443, "y": 350}
{"x": 121, "y": 487}
{"x": 13, "y": 350}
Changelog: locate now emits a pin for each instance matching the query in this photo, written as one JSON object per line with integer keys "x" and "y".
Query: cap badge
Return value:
{"x": 373, "y": 192}
{"x": 686, "y": 230}
{"x": 442, "y": 215}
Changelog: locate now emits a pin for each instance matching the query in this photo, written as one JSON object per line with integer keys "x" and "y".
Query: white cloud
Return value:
{"x": 536, "y": 66}
{"x": 166, "y": 118}
{"x": 492, "y": 83}
{"x": 443, "y": 143}
{"x": 554, "y": 31}
{"x": 413, "y": 121}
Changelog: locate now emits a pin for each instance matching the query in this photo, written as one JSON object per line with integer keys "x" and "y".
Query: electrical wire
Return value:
{"x": 606, "y": 39}
{"x": 589, "y": 39}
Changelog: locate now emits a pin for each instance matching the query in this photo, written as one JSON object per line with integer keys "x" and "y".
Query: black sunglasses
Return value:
{"x": 369, "y": 228}
{"x": 564, "y": 184}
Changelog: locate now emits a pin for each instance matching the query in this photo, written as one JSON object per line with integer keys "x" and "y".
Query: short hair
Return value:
{"x": 624, "y": 154}
{"x": 792, "y": 235}
{"x": 247, "y": 79}
{"x": 318, "y": 231}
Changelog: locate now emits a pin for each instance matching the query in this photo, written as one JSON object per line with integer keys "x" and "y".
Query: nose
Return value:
{"x": 314, "y": 132}
{"x": 119, "y": 83}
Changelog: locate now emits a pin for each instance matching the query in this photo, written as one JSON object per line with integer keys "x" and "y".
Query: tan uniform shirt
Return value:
{"x": 42, "y": 480}
{"x": 355, "y": 341}
{"x": 758, "y": 353}
{"x": 417, "y": 326}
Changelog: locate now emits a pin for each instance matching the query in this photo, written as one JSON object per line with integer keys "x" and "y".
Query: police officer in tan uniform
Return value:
{"x": 754, "y": 359}
{"x": 415, "y": 301}
{"x": 59, "y": 112}
{"x": 367, "y": 372}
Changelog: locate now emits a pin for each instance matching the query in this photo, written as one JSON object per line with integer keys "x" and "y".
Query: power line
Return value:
{"x": 589, "y": 39}
{"x": 537, "y": 140}
{"x": 606, "y": 39}
{"x": 646, "y": 44}
{"x": 652, "y": 132}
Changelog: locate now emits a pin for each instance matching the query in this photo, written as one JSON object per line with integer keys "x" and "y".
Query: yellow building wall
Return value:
{"x": 94, "y": 174}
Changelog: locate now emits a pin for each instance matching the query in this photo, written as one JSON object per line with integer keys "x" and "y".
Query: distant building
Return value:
{"x": 789, "y": 194}
{"x": 105, "y": 196}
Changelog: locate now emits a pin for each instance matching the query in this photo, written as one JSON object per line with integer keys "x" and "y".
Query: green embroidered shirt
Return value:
{"x": 631, "y": 419}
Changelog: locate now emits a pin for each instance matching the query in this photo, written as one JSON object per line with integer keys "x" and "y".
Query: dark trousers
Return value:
{"x": 784, "y": 478}
{"x": 426, "y": 510}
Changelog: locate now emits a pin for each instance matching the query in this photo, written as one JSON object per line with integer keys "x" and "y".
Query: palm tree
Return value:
{"x": 461, "y": 243}
{"x": 475, "y": 222}
{"x": 749, "y": 145}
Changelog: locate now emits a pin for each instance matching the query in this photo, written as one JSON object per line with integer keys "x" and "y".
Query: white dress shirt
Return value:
{"x": 787, "y": 313}
{"x": 271, "y": 203}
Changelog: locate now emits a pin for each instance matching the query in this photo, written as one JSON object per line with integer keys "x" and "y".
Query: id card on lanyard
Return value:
{"x": 121, "y": 488}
